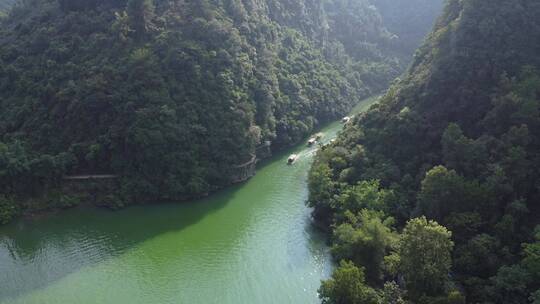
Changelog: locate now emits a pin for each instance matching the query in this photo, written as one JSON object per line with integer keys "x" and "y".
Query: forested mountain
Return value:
{"x": 170, "y": 96}
{"x": 432, "y": 195}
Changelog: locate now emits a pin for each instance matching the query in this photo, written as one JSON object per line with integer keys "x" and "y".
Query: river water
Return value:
{"x": 251, "y": 243}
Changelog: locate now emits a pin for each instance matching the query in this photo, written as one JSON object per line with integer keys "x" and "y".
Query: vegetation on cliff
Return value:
{"x": 433, "y": 193}
{"x": 171, "y": 95}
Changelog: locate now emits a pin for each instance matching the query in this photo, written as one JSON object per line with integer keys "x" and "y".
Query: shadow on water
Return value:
{"x": 35, "y": 253}
{"x": 83, "y": 236}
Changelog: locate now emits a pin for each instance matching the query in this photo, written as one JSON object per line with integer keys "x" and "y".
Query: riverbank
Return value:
{"x": 250, "y": 243}
{"x": 80, "y": 192}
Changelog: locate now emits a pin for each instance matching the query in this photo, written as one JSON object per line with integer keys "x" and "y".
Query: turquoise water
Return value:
{"x": 251, "y": 243}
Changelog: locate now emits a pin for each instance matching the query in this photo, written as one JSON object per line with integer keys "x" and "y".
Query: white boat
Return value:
{"x": 311, "y": 141}
{"x": 345, "y": 119}
{"x": 292, "y": 158}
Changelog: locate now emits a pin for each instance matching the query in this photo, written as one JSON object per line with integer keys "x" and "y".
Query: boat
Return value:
{"x": 292, "y": 158}
{"x": 311, "y": 141}
{"x": 345, "y": 119}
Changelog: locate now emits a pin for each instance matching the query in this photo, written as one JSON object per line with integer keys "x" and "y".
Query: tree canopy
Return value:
{"x": 172, "y": 95}
{"x": 456, "y": 140}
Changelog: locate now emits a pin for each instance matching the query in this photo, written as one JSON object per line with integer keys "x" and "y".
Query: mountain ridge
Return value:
{"x": 451, "y": 151}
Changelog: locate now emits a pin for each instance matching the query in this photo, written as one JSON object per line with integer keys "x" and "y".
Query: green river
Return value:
{"x": 251, "y": 243}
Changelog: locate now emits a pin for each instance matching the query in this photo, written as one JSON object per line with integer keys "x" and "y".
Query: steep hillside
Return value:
{"x": 170, "y": 96}
{"x": 456, "y": 140}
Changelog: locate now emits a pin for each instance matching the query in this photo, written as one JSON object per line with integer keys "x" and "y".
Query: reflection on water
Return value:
{"x": 33, "y": 253}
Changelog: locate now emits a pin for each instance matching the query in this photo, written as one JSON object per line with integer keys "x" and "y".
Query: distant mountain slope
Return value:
{"x": 410, "y": 20}
{"x": 456, "y": 140}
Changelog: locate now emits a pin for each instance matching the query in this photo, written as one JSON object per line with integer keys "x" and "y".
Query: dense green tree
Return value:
{"x": 443, "y": 191}
{"x": 464, "y": 225}
{"x": 392, "y": 294}
{"x": 365, "y": 239}
{"x": 364, "y": 195}
{"x": 347, "y": 286}
{"x": 461, "y": 153}
{"x": 510, "y": 285}
{"x": 171, "y": 96}
{"x": 480, "y": 255}
{"x": 8, "y": 209}
{"x": 425, "y": 257}
{"x": 531, "y": 257}
{"x": 321, "y": 193}
{"x": 457, "y": 139}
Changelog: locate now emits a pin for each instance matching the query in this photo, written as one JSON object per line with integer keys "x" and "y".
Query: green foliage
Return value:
{"x": 510, "y": 285}
{"x": 68, "y": 201}
{"x": 8, "y": 209}
{"x": 167, "y": 94}
{"x": 392, "y": 294}
{"x": 364, "y": 239}
{"x": 23, "y": 172}
{"x": 347, "y": 286}
{"x": 461, "y": 153}
{"x": 112, "y": 201}
{"x": 457, "y": 140}
{"x": 321, "y": 191}
{"x": 364, "y": 195}
{"x": 443, "y": 192}
{"x": 531, "y": 256}
{"x": 425, "y": 257}
{"x": 453, "y": 297}
{"x": 478, "y": 255}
